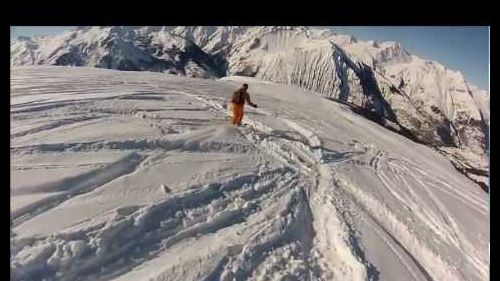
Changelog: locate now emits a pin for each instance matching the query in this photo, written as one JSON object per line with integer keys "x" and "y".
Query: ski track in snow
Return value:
{"x": 305, "y": 191}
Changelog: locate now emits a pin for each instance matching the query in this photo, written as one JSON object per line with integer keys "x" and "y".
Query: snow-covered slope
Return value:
{"x": 418, "y": 98}
{"x": 138, "y": 176}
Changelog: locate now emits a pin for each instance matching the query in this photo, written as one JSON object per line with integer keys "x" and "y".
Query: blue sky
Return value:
{"x": 460, "y": 48}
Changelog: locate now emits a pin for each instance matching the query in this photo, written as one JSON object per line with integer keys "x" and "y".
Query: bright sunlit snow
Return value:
{"x": 139, "y": 176}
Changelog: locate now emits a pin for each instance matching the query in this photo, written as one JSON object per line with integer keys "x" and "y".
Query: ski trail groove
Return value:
{"x": 75, "y": 186}
{"x": 305, "y": 157}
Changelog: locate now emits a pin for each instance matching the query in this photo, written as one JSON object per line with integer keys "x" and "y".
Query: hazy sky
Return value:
{"x": 460, "y": 48}
{"x": 29, "y": 31}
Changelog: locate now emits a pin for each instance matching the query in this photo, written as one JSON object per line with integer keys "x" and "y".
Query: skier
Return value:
{"x": 238, "y": 101}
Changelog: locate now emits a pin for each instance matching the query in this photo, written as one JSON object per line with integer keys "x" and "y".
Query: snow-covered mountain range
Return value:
{"x": 419, "y": 98}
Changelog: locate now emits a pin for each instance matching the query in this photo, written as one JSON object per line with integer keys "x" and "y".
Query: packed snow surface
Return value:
{"x": 139, "y": 176}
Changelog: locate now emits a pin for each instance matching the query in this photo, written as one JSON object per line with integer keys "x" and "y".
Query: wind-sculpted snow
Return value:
{"x": 139, "y": 176}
